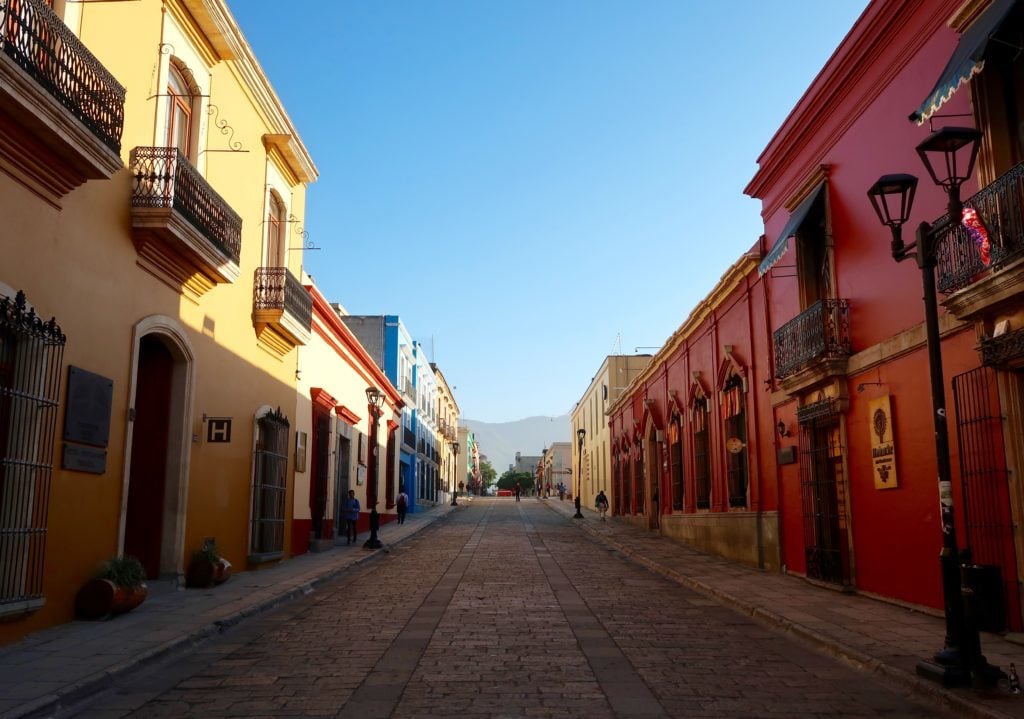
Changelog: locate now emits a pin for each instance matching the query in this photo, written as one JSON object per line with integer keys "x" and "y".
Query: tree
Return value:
{"x": 509, "y": 479}
{"x": 487, "y": 474}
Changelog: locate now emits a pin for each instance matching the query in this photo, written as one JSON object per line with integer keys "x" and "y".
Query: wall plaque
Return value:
{"x": 87, "y": 419}
{"x": 84, "y": 459}
{"x": 883, "y": 448}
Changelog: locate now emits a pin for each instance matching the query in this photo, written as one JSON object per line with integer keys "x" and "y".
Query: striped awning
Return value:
{"x": 796, "y": 220}
{"x": 968, "y": 59}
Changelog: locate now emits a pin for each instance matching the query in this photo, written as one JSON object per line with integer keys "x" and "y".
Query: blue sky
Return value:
{"x": 525, "y": 181}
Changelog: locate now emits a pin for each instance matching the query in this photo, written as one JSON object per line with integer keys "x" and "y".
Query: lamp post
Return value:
{"x": 580, "y": 434}
{"x": 374, "y": 400}
{"x": 455, "y": 479}
{"x": 892, "y": 197}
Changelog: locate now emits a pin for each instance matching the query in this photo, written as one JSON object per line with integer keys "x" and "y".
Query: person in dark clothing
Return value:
{"x": 402, "y": 505}
{"x": 518, "y": 490}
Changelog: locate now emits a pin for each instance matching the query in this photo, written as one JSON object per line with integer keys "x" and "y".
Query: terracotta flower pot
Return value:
{"x": 101, "y": 598}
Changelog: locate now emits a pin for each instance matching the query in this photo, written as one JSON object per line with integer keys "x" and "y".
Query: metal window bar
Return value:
{"x": 31, "y": 355}
{"x": 163, "y": 177}
{"x": 983, "y": 472}
{"x": 822, "y": 331}
{"x": 823, "y": 498}
{"x": 271, "y": 460}
{"x": 1000, "y": 206}
{"x": 38, "y": 41}
{"x": 736, "y": 462}
{"x": 676, "y": 460}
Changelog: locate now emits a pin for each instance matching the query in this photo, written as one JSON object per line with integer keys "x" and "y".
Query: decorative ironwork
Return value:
{"x": 31, "y": 353}
{"x": 822, "y": 331}
{"x": 163, "y": 177}
{"x": 816, "y": 410}
{"x": 822, "y": 494}
{"x": 1004, "y": 350}
{"x": 275, "y": 288}
{"x": 40, "y": 43}
{"x": 225, "y": 129}
{"x": 986, "y": 500}
{"x": 1001, "y": 207}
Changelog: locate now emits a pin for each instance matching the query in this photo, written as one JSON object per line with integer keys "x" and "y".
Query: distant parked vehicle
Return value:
{"x": 504, "y": 492}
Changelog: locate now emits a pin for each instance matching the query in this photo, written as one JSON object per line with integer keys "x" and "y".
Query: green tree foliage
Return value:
{"x": 509, "y": 479}
{"x": 487, "y": 473}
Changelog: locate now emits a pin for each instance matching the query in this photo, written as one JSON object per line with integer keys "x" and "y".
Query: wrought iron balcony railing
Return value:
{"x": 822, "y": 331}
{"x": 409, "y": 389}
{"x": 275, "y": 288}
{"x": 1001, "y": 207}
{"x": 35, "y": 38}
{"x": 163, "y": 177}
{"x": 1001, "y": 351}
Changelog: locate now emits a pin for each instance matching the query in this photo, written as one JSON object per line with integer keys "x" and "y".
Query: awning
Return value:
{"x": 791, "y": 228}
{"x": 968, "y": 58}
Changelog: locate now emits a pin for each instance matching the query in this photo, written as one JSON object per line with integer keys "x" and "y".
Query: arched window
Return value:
{"x": 701, "y": 449}
{"x": 180, "y": 98}
{"x": 277, "y": 224}
{"x": 734, "y": 414}
{"x": 675, "y": 449}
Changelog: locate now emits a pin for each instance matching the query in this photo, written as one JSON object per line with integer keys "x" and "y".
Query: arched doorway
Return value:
{"x": 154, "y": 505}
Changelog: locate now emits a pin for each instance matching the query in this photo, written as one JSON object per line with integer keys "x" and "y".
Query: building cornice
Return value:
{"x": 222, "y": 32}
{"x": 837, "y": 97}
{"x": 733, "y": 278}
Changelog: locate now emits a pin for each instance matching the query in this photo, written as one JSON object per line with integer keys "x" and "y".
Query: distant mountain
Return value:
{"x": 501, "y": 440}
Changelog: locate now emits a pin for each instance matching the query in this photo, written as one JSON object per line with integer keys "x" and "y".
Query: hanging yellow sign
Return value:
{"x": 883, "y": 448}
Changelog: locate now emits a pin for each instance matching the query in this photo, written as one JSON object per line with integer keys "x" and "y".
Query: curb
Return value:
{"x": 72, "y": 694}
{"x": 905, "y": 681}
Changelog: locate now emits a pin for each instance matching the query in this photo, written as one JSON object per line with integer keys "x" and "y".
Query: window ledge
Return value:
{"x": 12, "y": 610}
{"x": 264, "y": 557}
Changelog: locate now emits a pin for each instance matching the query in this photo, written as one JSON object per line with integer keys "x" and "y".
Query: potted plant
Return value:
{"x": 207, "y": 567}
{"x": 117, "y": 587}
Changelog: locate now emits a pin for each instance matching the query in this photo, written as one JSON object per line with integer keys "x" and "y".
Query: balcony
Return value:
{"x": 410, "y": 391}
{"x": 409, "y": 438}
{"x": 814, "y": 345}
{"x": 282, "y": 309}
{"x": 64, "y": 110}
{"x": 185, "y": 233}
{"x": 972, "y": 284}
{"x": 1005, "y": 351}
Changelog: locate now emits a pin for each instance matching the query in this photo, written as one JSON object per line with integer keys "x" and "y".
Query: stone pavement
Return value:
{"x": 56, "y": 668}
{"x": 879, "y": 637}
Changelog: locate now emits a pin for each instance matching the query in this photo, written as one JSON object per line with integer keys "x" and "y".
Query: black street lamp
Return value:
{"x": 455, "y": 479}
{"x": 580, "y": 434}
{"x": 374, "y": 400}
{"x": 892, "y": 197}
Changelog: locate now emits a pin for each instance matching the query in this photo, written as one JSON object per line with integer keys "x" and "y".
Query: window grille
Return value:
{"x": 31, "y": 353}
{"x": 638, "y": 482}
{"x": 270, "y": 485}
{"x": 701, "y": 463}
{"x": 675, "y": 440}
{"x": 733, "y": 402}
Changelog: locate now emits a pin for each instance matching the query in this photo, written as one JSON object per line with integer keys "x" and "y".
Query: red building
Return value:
{"x": 823, "y": 403}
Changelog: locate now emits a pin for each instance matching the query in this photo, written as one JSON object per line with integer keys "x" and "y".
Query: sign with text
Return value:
{"x": 883, "y": 447}
{"x": 218, "y": 429}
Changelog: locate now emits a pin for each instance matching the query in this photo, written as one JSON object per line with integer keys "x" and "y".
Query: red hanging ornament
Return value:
{"x": 979, "y": 233}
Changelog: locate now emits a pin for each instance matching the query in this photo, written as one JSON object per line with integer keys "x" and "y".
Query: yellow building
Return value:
{"x": 158, "y": 228}
{"x": 614, "y": 375}
{"x": 447, "y": 435}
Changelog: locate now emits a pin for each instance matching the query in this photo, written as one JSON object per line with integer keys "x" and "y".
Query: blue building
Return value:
{"x": 387, "y": 340}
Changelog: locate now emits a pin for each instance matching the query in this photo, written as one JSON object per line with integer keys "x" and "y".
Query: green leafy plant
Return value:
{"x": 124, "y": 571}
{"x": 208, "y": 552}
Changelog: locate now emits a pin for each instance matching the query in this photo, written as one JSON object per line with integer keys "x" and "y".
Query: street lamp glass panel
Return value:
{"x": 892, "y": 196}
{"x": 375, "y": 397}
{"x": 581, "y": 433}
{"x": 949, "y": 155}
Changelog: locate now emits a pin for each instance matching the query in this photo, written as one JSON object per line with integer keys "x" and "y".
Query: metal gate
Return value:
{"x": 988, "y": 521}
{"x": 821, "y": 491}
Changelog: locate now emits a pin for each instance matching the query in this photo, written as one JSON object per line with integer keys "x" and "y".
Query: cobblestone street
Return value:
{"x": 502, "y": 609}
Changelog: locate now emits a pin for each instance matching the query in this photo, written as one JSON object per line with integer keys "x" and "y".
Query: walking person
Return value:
{"x": 351, "y": 508}
{"x": 518, "y": 491}
{"x": 402, "y": 505}
{"x": 602, "y": 504}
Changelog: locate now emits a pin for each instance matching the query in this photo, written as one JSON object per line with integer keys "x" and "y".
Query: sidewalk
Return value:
{"x": 884, "y": 639}
{"x": 57, "y": 667}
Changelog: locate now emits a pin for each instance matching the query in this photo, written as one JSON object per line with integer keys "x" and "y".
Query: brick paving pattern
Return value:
{"x": 502, "y": 609}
